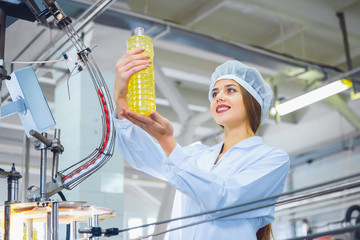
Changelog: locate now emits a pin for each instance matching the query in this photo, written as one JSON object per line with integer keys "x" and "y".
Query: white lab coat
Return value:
{"x": 248, "y": 171}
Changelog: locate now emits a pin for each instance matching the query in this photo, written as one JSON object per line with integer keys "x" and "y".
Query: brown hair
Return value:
{"x": 265, "y": 233}
{"x": 253, "y": 111}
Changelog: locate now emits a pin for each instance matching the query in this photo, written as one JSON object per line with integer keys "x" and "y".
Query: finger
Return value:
{"x": 130, "y": 114}
{"x": 129, "y": 58}
{"x": 144, "y": 122}
{"x": 158, "y": 118}
{"x": 131, "y": 119}
{"x": 125, "y": 72}
{"x": 124, "y": 115}
{"x": 143, "y": 125}
{"x": 135, "y": 54}
{"x": 131, "y": 67}
{"x": 136, "y": 50}
{"x": 125, "y": 63}
{"x": 139, "y": 117}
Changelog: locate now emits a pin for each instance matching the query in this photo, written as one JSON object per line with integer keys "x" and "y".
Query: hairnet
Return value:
{"x": 250, "y": 79}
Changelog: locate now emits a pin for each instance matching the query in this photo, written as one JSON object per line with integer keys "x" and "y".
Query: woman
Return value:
{"x": 238, "y": 170}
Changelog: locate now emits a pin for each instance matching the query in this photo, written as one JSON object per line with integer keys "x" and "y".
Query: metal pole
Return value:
{"x": 26, "y": 167}
{"x": 2, "y": 45}
{"x": 94, "y": 222}
{"x": 341, "y": 17}
{"x": 48, "y": 226}
{"x": 56, "y": 144}
{"x": 2, "y": 34}
{"x": 43, "y": 149}
{"x": 89, "y": 226}
{"x": 13, "y": 185}
{"x": 13, "y": 192}
{"x": 291, "y": 188}
{"x": 7, "y": 209}
{"x": 55, "y": 221}
{"x": 73, "y": 226}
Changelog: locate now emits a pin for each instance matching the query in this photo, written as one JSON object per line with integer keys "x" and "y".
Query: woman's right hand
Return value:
{"x": 131, "y": 63}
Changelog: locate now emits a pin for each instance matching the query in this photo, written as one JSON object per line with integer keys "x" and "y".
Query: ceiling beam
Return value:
{"x": 186, "y": 76}
{"x": 300, "y": 14}
{"x": 172, "y": 95}
{"x": 202, "y": 12}
{"x": 126, "y": 19}
{"x": 289, "y": 33}
{"x": 190, "y": 51}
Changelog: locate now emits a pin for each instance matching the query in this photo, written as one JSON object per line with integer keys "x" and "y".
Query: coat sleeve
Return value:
{"x": 265, "y": 177}
{"x": 139, "y": 149}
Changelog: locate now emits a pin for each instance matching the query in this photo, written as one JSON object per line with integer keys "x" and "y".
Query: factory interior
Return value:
{"x": 297, "y": 46}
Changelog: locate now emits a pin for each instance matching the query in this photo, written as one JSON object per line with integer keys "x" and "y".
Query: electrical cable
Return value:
{"x": 255, "y": 201}
{"x": 290, "y": 199}
{"x": 67, "y": 82}
{"x": 280, "y": 202}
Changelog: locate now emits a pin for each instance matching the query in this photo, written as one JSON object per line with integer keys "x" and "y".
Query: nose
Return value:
{"x": 219, "y": 96}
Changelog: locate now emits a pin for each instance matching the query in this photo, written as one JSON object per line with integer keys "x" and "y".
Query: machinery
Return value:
{"x": 30, "y": 104}
{"x": 18, "y": 219}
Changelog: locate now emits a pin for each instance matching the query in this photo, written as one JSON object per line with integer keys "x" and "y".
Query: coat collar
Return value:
{"x": 246, "y": 143}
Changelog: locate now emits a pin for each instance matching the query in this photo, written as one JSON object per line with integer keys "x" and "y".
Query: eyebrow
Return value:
{"x": 226, "y": 86}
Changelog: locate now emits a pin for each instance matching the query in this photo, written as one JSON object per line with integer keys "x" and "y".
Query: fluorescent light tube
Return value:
{"x": 311, "y": 97}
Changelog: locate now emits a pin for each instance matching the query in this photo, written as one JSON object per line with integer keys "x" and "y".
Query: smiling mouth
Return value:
{"x": 222, "y": 109}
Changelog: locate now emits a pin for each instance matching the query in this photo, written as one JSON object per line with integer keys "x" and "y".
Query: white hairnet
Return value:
{"x": 250, "y": 79}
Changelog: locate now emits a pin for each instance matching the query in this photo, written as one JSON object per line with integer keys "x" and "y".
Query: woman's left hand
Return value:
{"x": 156, "y": 125}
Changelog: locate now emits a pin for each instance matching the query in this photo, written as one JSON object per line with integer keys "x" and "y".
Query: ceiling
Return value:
{"x": 296, "y": 45}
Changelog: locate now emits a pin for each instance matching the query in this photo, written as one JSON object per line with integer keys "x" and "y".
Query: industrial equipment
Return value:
{"x": 18, "y": 218}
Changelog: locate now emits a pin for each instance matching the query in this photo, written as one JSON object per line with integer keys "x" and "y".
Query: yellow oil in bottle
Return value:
{"x": 141, "y": 87}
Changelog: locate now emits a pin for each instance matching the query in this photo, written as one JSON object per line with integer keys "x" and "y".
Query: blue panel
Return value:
{"x": 24, "y": 85}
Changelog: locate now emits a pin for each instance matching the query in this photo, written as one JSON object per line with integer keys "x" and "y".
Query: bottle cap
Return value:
{"x": 139, "y": 31}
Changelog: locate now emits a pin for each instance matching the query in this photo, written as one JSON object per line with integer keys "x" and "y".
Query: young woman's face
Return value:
{"x": 227, "y": 105}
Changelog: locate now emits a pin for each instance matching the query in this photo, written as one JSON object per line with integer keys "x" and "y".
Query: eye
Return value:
{"x": 214, "y": 94}
{"x": 231, "y": 90}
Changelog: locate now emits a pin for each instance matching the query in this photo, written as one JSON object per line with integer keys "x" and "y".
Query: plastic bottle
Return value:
{"x": 141, "y": 87}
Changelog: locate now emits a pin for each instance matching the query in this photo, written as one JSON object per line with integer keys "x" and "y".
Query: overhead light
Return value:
{"x": 311, "y": 97}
